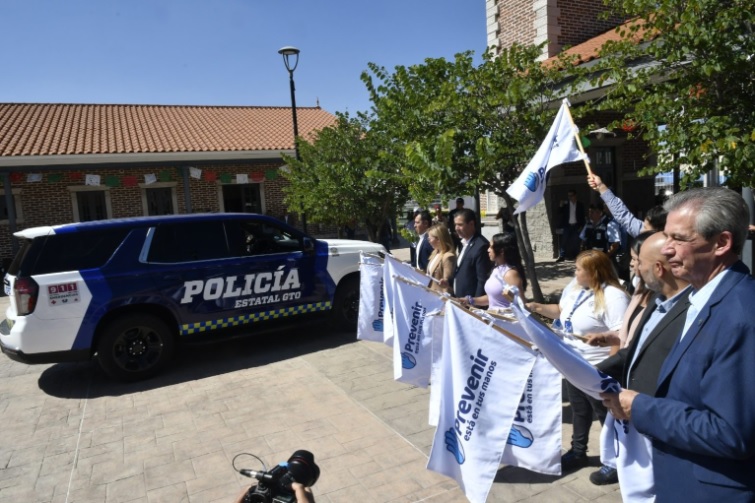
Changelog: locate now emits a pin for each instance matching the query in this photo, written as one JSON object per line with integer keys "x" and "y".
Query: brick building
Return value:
{"x": 70, "y": 162}
{"x": 577, "y": 27}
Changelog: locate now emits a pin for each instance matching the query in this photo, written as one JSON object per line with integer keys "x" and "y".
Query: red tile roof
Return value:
{"x": 39, "y": 129}
{"x": 589, "y": 50}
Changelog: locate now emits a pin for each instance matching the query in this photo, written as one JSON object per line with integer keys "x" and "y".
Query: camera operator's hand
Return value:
{"x": 303, "y": 494}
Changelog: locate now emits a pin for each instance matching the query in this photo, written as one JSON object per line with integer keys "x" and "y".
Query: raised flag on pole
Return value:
{"x": 559, "y": 147}
{"x": 371, "y": 299}
{"x": 412, "y": 343}
{"x": 483, "y": 375}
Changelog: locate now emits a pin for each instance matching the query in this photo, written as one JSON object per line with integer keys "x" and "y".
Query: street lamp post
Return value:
{"x": 291, "y": 60}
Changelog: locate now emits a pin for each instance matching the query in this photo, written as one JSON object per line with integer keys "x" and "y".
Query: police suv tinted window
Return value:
{"x": 188, "y": 242}
{"x": 260, "y": 238}
{"x": 69, "y": 252}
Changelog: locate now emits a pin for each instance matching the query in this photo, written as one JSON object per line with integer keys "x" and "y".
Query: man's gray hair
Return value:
{"x": 718, "y": 209}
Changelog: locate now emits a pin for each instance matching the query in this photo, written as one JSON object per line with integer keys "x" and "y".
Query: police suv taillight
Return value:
{"x": 25, "y": 291}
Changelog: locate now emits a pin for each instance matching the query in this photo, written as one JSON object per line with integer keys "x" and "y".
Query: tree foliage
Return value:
{"x": 683, "y": 74}
{"x": 346, "y": 174}
{"x": 467, "y": 126}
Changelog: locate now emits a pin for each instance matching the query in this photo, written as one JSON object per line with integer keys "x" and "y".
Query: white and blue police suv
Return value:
{"x": 128, "y": 290}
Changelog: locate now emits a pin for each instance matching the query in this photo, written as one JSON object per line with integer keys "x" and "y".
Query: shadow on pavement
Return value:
{"x": 195, "y": 361}
{"x": 547, "y": 271}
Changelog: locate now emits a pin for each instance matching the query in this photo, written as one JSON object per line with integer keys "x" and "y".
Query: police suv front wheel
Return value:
{"x": 135, "y": 347}
{"x": 346, "y": 304}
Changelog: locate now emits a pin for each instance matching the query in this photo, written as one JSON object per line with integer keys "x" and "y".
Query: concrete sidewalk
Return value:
{"x": 71, "y": 435}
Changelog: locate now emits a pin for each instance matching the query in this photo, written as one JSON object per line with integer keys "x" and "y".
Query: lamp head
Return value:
{"x": 288, "y": 54}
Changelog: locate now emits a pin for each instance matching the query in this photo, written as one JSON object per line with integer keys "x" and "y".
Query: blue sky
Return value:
{"x": 221, "y": 52}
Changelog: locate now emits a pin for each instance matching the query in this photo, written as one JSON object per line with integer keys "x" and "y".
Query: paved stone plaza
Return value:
{"x": 71, "y": 435}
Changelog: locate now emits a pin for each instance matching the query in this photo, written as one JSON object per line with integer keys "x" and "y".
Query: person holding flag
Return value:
{"x": 508, "y": 271}
{"x": 593, "y": 302}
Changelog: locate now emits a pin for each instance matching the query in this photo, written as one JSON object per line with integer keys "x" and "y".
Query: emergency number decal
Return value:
{"x": 61, "y": 295}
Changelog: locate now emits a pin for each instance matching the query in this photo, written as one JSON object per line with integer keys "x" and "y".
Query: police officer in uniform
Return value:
{"x": 601, "y": 232}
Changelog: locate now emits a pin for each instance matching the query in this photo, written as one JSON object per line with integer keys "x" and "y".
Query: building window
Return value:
{"x": 602, "y": 163}
{"x": 16, "y": 204}
{"x": 159, "y": 198}
{"x": 90, "y": 203}
{"x": 242, "y": 198}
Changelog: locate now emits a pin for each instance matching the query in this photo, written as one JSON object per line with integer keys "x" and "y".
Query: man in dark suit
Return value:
{"x": 420, "y": 252}
{"x": 571, "y": 222}
{"x": 701, "y": 415}
{"x": 473, "y": 263}
{"x": 637, "y": 366}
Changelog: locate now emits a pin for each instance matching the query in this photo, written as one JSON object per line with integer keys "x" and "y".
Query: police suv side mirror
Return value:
{"x": 309, "y": 245}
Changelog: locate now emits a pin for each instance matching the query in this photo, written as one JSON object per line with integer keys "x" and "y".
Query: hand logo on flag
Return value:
{"x": 531, "y": 182}
{"x": 408, "y": 361}
{"x": 520, "y": 436}
{"x": 453, "y": 445}
{"x": 608, "y": 384}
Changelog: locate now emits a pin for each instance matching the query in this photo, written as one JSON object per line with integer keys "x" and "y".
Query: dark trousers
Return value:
{"x": 569, "y": 244}
{"x": 583, "y": 407}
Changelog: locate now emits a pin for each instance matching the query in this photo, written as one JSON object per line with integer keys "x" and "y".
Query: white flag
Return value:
{"x": 92, "y": 180}
{"x": 371, "y": 299}
{"x": 412, "y": 346}
{"x": 394, "y": 267}
{"x": 483, "y": 375}
{"x": 534, "y": 442}
{"x": 621, "y": 445}
{"x": 559, "y": 147}
{"x": 571, "y": 364}
{"x": 631, "y": 453}
{"x": 437, "y": 322}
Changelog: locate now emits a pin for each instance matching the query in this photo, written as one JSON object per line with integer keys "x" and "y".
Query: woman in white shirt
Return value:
{"x": 593, "y": 302}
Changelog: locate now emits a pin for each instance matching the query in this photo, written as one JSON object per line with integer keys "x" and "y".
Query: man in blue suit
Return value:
{"x": 701, "y": 417}
{"x": 421, "y": 251}
{"x": 473, "y": 264}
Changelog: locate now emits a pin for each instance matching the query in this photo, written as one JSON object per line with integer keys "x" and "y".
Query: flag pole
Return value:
{"x": 575, "y": 129}
{"x": 375, "y": 255}
{"x": 424, "y": 287}
{"x": 443, "y": 297}
{"x": 498, "y": 329}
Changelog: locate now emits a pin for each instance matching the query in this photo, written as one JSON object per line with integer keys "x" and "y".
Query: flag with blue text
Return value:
{"x": 559, "y": 147}
{"x": 412, "y": 343}
{"x": 483, "y": 375}
{"x": 394, "y": 267}
{"x": 371, "y": 299}
{"x": 534, "y": 442}
{"x": 621, "y": 445}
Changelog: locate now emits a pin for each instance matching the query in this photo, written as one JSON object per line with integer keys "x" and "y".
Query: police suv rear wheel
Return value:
{"x": 346, "y": 303}
{"x": 135, "y": 347}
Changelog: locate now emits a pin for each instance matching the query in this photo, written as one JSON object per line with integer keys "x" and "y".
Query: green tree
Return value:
{"x": 346, "y": 174}
{"x": 468, "y": 126}
{"x": 683, "y": 73}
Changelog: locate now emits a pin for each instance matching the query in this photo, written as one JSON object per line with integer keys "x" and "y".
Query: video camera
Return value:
{"x": 275, "y": 486}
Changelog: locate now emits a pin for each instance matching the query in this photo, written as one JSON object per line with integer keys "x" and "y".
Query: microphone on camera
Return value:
{"x": 254, "y": 474}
